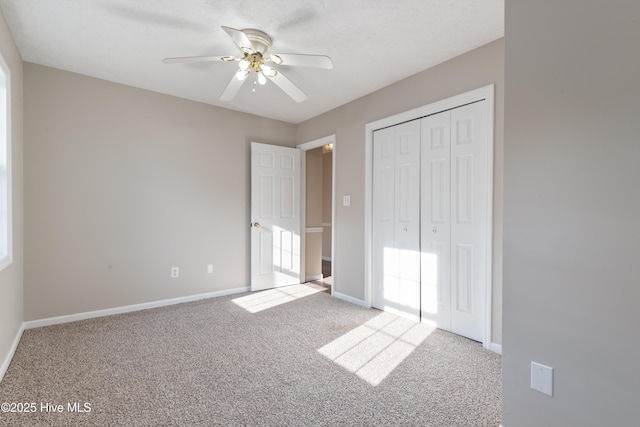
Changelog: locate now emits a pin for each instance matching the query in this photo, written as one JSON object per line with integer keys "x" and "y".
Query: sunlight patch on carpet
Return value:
{"x": 263, "y": 300}
{"x": 374, "y": 349}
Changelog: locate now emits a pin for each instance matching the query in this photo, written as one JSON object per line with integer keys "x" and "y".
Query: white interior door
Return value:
{"x": 275, "y": 216}
{"x": 396, "y": 219}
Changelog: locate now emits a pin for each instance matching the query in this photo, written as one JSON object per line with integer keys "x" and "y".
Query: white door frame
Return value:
{"x": 484, "y": 93}
{"x": 317, "y": 143}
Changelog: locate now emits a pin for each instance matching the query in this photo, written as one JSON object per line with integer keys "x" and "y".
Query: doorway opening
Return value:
{"x": 317, "y": 213}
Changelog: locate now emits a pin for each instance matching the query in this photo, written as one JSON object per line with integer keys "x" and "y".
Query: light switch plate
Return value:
{"x": 542, "y": 378}
{"x": 346, "y": 200}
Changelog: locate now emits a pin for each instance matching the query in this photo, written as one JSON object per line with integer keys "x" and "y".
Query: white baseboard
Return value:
{"x": 129, "y": 308}
{"x": 326, "y": 258}
{"x": 12, "y": 351}
{"x": 312, "y": 278}
{"x": 496, "y": 348}
{"x": 349, "y": 299}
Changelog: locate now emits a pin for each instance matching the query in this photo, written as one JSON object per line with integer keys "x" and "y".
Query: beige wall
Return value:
{"x": 11, "y": 278}
{"x": 314, "y": 187}
{"x": 313, "y": 256}
{"x": 472, "y": 70}
{"x": 327, "y": 192}
{"x": 121, "y": 184}
{"x": 572, "y": 206}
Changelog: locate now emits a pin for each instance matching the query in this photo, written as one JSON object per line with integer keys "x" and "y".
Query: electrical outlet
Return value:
{"x": 542, "y": 378}
{"x": 209, "y": 268}
{"x": 175, "y": 272}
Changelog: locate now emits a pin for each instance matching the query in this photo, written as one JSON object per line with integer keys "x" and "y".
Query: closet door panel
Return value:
{"x": 435, "y": 219}
{"x": 469, "y": 194}
{"x": 384, "y": 267}
{"x": 396, "y": 220}
{"x": 407, "y": 227}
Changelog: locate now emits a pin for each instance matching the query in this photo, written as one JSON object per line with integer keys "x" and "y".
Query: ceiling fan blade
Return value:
{"x": 232, "y": 89}
{"x": 289, "y": 88}
{"x": 199, "y": 59}
{"x": 315, "y": 61}
{"x": 240, "y": 39}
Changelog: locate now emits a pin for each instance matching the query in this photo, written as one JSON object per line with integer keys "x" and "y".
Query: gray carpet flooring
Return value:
{"x": 239, "y": 361}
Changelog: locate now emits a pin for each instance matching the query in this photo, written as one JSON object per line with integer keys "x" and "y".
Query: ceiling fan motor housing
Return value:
{"x": 259, "y": 39}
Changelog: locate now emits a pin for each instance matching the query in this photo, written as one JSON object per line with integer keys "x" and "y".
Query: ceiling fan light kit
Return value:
{"x": 255, "y": 46}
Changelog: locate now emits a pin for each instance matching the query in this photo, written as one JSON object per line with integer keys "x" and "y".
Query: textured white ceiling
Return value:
{"x": 373, "y": 43}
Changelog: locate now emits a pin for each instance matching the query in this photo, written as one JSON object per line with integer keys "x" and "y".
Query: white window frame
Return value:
{"x": 6, "y": 256}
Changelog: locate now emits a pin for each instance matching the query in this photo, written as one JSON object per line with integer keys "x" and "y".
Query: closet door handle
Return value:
{"x": 435, "y": 230}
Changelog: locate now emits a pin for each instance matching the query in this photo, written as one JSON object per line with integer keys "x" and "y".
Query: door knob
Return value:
{"x": 256, "y": 225}
{"x": 435, "y": 230}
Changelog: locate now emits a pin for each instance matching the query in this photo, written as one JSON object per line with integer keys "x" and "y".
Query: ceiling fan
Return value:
{"x": 257, "y": 60}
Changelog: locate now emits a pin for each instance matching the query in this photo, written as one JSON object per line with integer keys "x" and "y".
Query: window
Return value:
{"x": 5, "y": 166}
